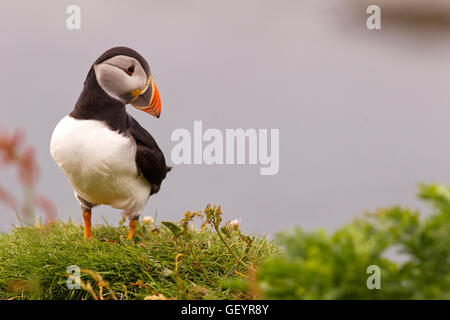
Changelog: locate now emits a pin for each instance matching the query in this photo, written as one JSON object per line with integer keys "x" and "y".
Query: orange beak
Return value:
{"x": 149, "y": 101}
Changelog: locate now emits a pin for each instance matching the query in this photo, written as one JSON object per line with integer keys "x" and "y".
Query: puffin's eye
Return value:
{"x": 130, "y": 70}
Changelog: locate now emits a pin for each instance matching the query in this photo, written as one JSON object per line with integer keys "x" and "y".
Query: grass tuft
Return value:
{"x": 167, "y": 261}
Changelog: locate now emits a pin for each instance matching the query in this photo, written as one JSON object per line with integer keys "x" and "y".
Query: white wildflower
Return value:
{"x": 147, "y": 220}
{"x": 234, "y": 224}
{"x": 167, "y": 273}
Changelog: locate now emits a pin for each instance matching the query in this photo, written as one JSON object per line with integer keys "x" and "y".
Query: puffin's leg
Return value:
{"x": 87, "y": 223}
{"x": 133, "y": 223}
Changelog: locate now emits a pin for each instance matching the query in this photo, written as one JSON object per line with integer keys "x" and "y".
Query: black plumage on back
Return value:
{"x": 149, "y": 158}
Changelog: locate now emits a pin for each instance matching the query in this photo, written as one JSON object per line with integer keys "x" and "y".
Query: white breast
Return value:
{"x": 100, "y": 164}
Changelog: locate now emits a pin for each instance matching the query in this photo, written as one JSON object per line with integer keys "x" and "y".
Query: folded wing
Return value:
{"x": 149, "y": 158}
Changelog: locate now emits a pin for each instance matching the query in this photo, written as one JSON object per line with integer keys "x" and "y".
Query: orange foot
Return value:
{"x": 87, "y": 224}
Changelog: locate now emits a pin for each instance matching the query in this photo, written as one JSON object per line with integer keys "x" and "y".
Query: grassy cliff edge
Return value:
{"x": 166, "y": 261}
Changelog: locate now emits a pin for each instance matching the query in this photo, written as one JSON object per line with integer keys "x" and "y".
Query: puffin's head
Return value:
{"x": 125, "y": 75}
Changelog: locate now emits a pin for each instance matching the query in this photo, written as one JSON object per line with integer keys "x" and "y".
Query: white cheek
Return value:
{"x": 116, "y": 82}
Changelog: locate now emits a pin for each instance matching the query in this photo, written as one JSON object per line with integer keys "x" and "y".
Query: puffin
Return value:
{"x": 107, "y": 156}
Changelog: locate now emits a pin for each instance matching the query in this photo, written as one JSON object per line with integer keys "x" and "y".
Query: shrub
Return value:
{"x": 413, "y": 255}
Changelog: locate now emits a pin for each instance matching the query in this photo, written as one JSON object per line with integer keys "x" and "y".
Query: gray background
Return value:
{"x": 363, "y": 115}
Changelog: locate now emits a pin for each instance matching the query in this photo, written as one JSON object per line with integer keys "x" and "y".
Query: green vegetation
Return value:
{"x": 169, "y": 261}
{"x": 178, "y": 261}
{"x": 318, "y": 266}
